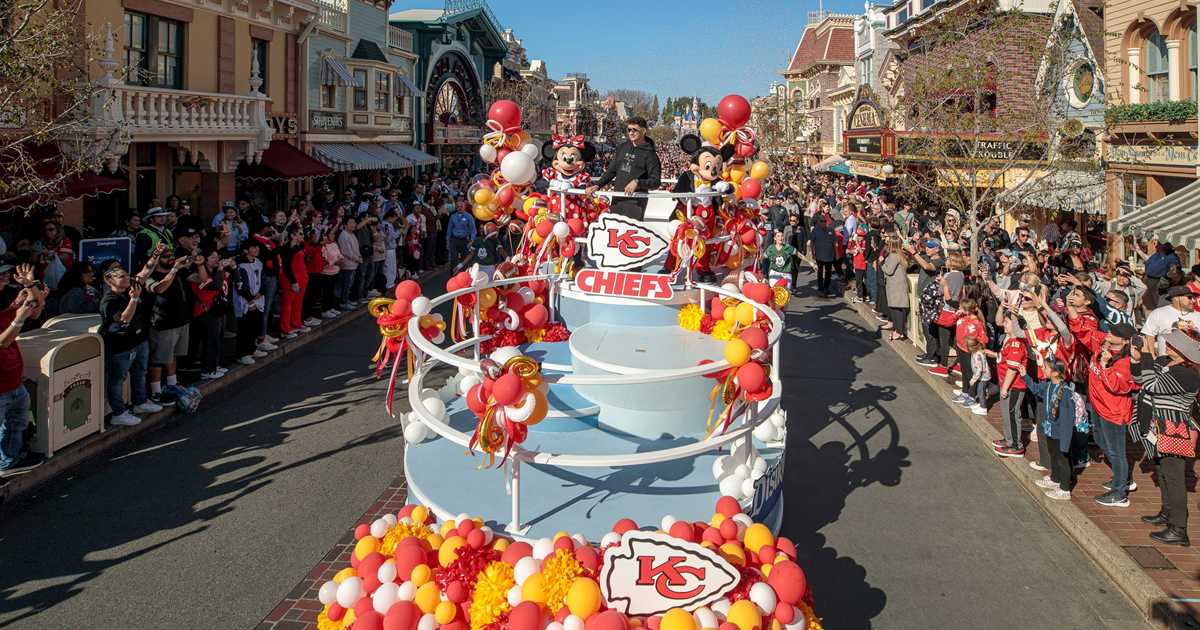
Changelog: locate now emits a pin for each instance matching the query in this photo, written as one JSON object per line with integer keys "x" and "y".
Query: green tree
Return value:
{"x": 662, "y": 135}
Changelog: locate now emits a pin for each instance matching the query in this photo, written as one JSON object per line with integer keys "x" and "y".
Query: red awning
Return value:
{"x": 282, "y": 161}
{"x": 46, "y": 160}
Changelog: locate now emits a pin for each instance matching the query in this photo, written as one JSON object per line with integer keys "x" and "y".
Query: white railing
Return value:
{"x": 400, "y": 38}
{"x": 145, "y": 109}
{"x": 331, "y": 14}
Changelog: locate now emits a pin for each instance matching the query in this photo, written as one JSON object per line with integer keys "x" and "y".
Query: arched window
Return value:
{"x": 1157, "y": 68}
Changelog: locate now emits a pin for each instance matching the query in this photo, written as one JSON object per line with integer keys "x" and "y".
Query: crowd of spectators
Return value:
{"x": 1076, "y": 351}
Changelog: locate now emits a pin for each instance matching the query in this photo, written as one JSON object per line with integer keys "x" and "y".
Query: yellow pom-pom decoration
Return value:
{"x": 420, "y": 575}
{"x": 427, "y": 597}
{"x": 445, "y": 611}
{"x": 348, "y": 619}
{"x": 584, "y": 598}
{"x": 534, "y": 589}
{"x": 757, "y": 535}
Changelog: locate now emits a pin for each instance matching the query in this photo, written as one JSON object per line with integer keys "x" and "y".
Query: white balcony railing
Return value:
{"x": 400, "y": 39}
{"x": 152, "y": 110}
{"x": 331, "y": 14}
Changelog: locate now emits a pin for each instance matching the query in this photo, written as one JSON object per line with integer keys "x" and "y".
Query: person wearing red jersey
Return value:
{"x": 969, "y": 324}
{"x": 27, "y": 303}
{"x": 1013, "y": 355}
{"x": 1110, "y": 396}
{"x": 294, "y": 266}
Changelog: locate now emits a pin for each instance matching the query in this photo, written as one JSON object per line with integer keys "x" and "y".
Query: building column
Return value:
{"x": 1173, "y": 69}
{"x": 1134, "y": 55}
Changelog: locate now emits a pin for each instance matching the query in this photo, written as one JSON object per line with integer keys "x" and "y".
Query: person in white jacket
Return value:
{"x": 351, "y": 257}
{"x": 248, "y": 303}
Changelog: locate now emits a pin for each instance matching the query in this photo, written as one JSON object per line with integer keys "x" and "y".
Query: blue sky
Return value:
{"x": 670, "y": 48}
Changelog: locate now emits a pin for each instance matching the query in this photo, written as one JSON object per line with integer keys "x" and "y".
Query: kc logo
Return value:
{"x": 618, "y": 242}
{"x": 651, "y": 573}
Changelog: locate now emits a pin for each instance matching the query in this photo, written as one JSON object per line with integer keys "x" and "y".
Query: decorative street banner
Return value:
{"x": 651, "y": 286}
{"x": 618, "y": 242}
{"x": 650, "y": 573}
{"x": 99, "y": 250}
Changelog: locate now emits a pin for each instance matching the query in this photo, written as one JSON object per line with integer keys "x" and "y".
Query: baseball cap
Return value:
{"x": 1184, "y": 345}
{"x": 186, "y": 232}
{"x": 155, "y": 211}
{"x": 932, "y": 244}
{"x": 228, "y": 204}
{"x": 1179, "y": 291}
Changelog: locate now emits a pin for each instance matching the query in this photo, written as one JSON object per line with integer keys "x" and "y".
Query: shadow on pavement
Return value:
{"x": 822, "y": 388}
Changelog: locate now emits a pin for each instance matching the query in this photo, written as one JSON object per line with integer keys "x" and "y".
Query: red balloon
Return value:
{"x": 587, "y": 557}
{"x": 466, "y": 526}
{"x": 402, "y": 616}
{"x": 401, "y": 307}
{"x": 754, "y": 337}
{"x": 363, "y": 529}
{"x": 654, "y": 622}
{"x": 407, "y": 557}
{"x": 516, "y": 551}
{"x": 505, "y": 197}
{"x": 457, "y": 624}
{"x": 713, "y": 535}
{"x": 456, "y": 592}
{"x": 544, "y": 227}
{"x": 759, "y": 292}
{"x": 682, "y": 530}
{"x": 566, "y": 543}
{"x": 501, "y": 154}
{"x": 506, "y": 113}
{"x": 743, "y": 149}
{"x": 751, "y": 188}
{"x": 624, "y": 525}
{"x": 525, "y": 616}
{"x": 734, "y": 111}
{"x": 409, "y": 290}
{"x": 507, "y": 390}
{"x": 476, "y": 539}
{"x": 717, "y": 310}
{"x": 729, "y": 528}
{"x": 787, "y": 578}
{"x": 537, "y": 315}
{"x": 784, "y": 544}
{"x": 368, "y": 620}
{"x": 369, "y": 566}
{"x": 749, "y": 237}
{"x": 766, "y": 554}
{"x": 476, "y": 400}
{"x": 336, "y": 612}
{"x": 728, "y": 506}
{"x": 362, "y": 606}
{"x": 567, "y": 249}
{"x": 514, "y": 301}
{"x": 785, "y": 614}
{"x": 562, "y": 614}
{"x": 607, "y": 620}
{"x": 752, "y": 377}
{"x": 577, "y": 227}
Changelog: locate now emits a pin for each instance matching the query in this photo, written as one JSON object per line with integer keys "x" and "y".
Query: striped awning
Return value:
{"x": 1065, "y": 190}
{"x": 412, "y": 154}
{"x": 334, "y": 72}
{"x": 828, "y": 163}
{"x": 359, "y": 157}
{"x": 1173, "y": 219}
{"x": 406, "y": 87}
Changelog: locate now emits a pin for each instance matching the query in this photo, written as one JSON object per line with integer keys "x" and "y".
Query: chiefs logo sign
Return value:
{"x": 618, "y": 242}
{"x": 651, "y": 573}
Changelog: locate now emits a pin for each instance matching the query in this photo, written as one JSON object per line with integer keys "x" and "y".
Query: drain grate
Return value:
{"x": 1148, "y": 557}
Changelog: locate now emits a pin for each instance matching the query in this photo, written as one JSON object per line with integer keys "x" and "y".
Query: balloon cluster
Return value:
{"x": 508, "y": 398}
{"x": 729, "y": 127}
{"x": 510, "y": 148}
{"x": 407, "y": 572}
{"x": 747, "y": 351}
{"x": 393, "y": 316}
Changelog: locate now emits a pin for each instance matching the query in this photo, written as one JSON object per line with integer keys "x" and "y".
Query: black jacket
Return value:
{"x": 634, "y": 162}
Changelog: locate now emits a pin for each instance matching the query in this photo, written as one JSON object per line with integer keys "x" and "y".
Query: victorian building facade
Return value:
{"x": 814, "y": 74}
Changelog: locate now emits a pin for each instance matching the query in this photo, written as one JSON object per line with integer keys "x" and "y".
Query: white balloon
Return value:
{"x": 667, "y": 522}
{"x": 742, "y": 470}
{"x": 406, "y": 592}
{"x": 729, "y": 286}
{"x": 526, "y": 294}
{"x": 721, "y": 608}
{"x": 416, "y": 432}
{"x": 428, "y": 392}
{"x": 747, "y": 488}
{"x": 742, "y": 519}
{"x": 514, "y": 596}
{"x": 798, "y": 622}
{"x": 427, "y": 622}
{"x": 387, "y": 572}
{"x": 435, "y": 407}
{"x": 611, "y": 538}
{"x": 462, "y": 518}
{"x": 764, "y": 431}
{"x": 542, "y": 548}
{"x": 522, "y": 411}
{"x": 518, "y": 168}
{"x": 554, "y": 625}
{"x": 390, "y": 519}
{"x": 561, "y": 230}
{"x": 524, "y": 568}
{"x": 572, "y": 622}
{"x": 763, "y": 596}
{"x": 706, "y": 619}
{"x": 730, "y": 486}
{"x": 488, "y": 534}
{"x": 379, "y": 528}
{"x": 487, "y": 153}
{"x": 328, "y": 593}
{"x": 502, "y": 355}
{"x": 531, "y": 150}
{"x": 421, "y": 306}
{"x": 467, "y": 382}
{"x": 579, "y": 539}
{"x": 720, "y": 466}
{"x": 384, "y": 596}
{"x": 349, "y": 591}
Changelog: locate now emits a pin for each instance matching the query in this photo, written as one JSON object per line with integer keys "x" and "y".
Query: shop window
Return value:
{"x": 1157, "y": 68}
{"x": 383, "y": 91}
{"x": 1133, "y": 193}
{"x": 260, "y": 48}
{"x": 145, "y": 160}
{"x": 360, "y": 93}
{"x": 153, "y": 51}
{"x": 328, "y": 97}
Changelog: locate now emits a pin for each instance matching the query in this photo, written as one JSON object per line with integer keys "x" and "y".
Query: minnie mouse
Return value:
{"x": 568, "y": 157}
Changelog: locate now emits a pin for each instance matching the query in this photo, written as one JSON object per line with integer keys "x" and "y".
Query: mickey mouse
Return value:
{"x": 703, "y": 174}
{"x": 568, "y": 157}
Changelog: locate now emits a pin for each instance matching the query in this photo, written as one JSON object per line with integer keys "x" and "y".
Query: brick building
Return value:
{"x": 822, "y": 63}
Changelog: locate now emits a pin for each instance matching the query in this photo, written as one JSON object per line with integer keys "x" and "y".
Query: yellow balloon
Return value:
{"x": 737, "y": 352}
{"x": 419, "y": 514}
{"x": 529, "y": 202}
{"x": 734, "y": 553}
{"x": 730, "y": 314}
{"x": 500, "y": 544}
{"x": 348, "y": 620}
{"x": 744, "y": 614}
{"x": 745, "y": 314}
{"x": 445, "y": 611}
{"x": 484, "y": 213}
{"x": 760, "y": 170}
{"x": 758, "y": 535}
{"x": 420, "y": 575}
{"x": 449, "y": 550}
{"x": 344, "y": 573}
{"x": 737, "y": 174}
{"x": 535, "y": 237}
{"x": 365, "y": 546}
{"x": 677, "y": 619}
{"x": 484, "y": 196}
{"x": 426, "y": 321}
{"x": 435, "y": 541}
{"x": 583, "y": 598}
{"x": 534, "y": 589}
{"x": 710, "y": 130}
{"x": 716, "y": 519}
{"x": 487, "y": 298}
{"x": 427, "y": 597}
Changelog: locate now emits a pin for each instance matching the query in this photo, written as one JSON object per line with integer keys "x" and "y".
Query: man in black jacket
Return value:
{"x": 633, "y": 168}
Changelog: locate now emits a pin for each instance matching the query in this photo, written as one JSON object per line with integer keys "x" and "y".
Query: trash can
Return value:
{"x": 67, "y": 371}
{"x": 86, "y": 323}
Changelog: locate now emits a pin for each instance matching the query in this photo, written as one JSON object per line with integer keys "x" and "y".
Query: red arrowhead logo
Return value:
{"x": 650, "y": 573}
{"x": 618, "y": 242}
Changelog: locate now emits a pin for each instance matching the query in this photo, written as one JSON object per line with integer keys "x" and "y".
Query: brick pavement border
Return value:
{"x": 1114, "y": 561}
{"x": 64, "y": 460}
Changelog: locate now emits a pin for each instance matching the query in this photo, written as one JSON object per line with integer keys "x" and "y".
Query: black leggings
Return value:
{"x": 899, "y": 320}
{"x": 212, "y": 333}
{"x": 860, "y": 281}
{"x": 824, "y": 275}
{"x": 248, "y": 327}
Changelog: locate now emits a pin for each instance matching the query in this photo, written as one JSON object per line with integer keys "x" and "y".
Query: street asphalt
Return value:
{"x": 901, "y": 518}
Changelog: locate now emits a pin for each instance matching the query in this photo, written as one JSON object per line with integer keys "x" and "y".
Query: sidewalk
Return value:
{"x": 22, "y": 481}
{"x": 1163, "y": 581}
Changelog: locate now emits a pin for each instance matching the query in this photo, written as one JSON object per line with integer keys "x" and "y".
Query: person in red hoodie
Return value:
{"x": 294, "y": 267}
{"x": 313, "y": 295}
{"x": 1110, "y": 396}
{"x": 969, "y": 324}
{"x": 1013, "y": 355}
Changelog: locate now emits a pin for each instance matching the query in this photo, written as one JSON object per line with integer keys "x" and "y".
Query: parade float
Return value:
{"x": 614, "y": 378}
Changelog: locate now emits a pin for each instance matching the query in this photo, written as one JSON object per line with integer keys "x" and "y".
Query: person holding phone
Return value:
{"x": 1110, "y": 397}
{"x": 14, "y": 399}
{"x": 170, "y": 320}
{"x": 125, "y": 328}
